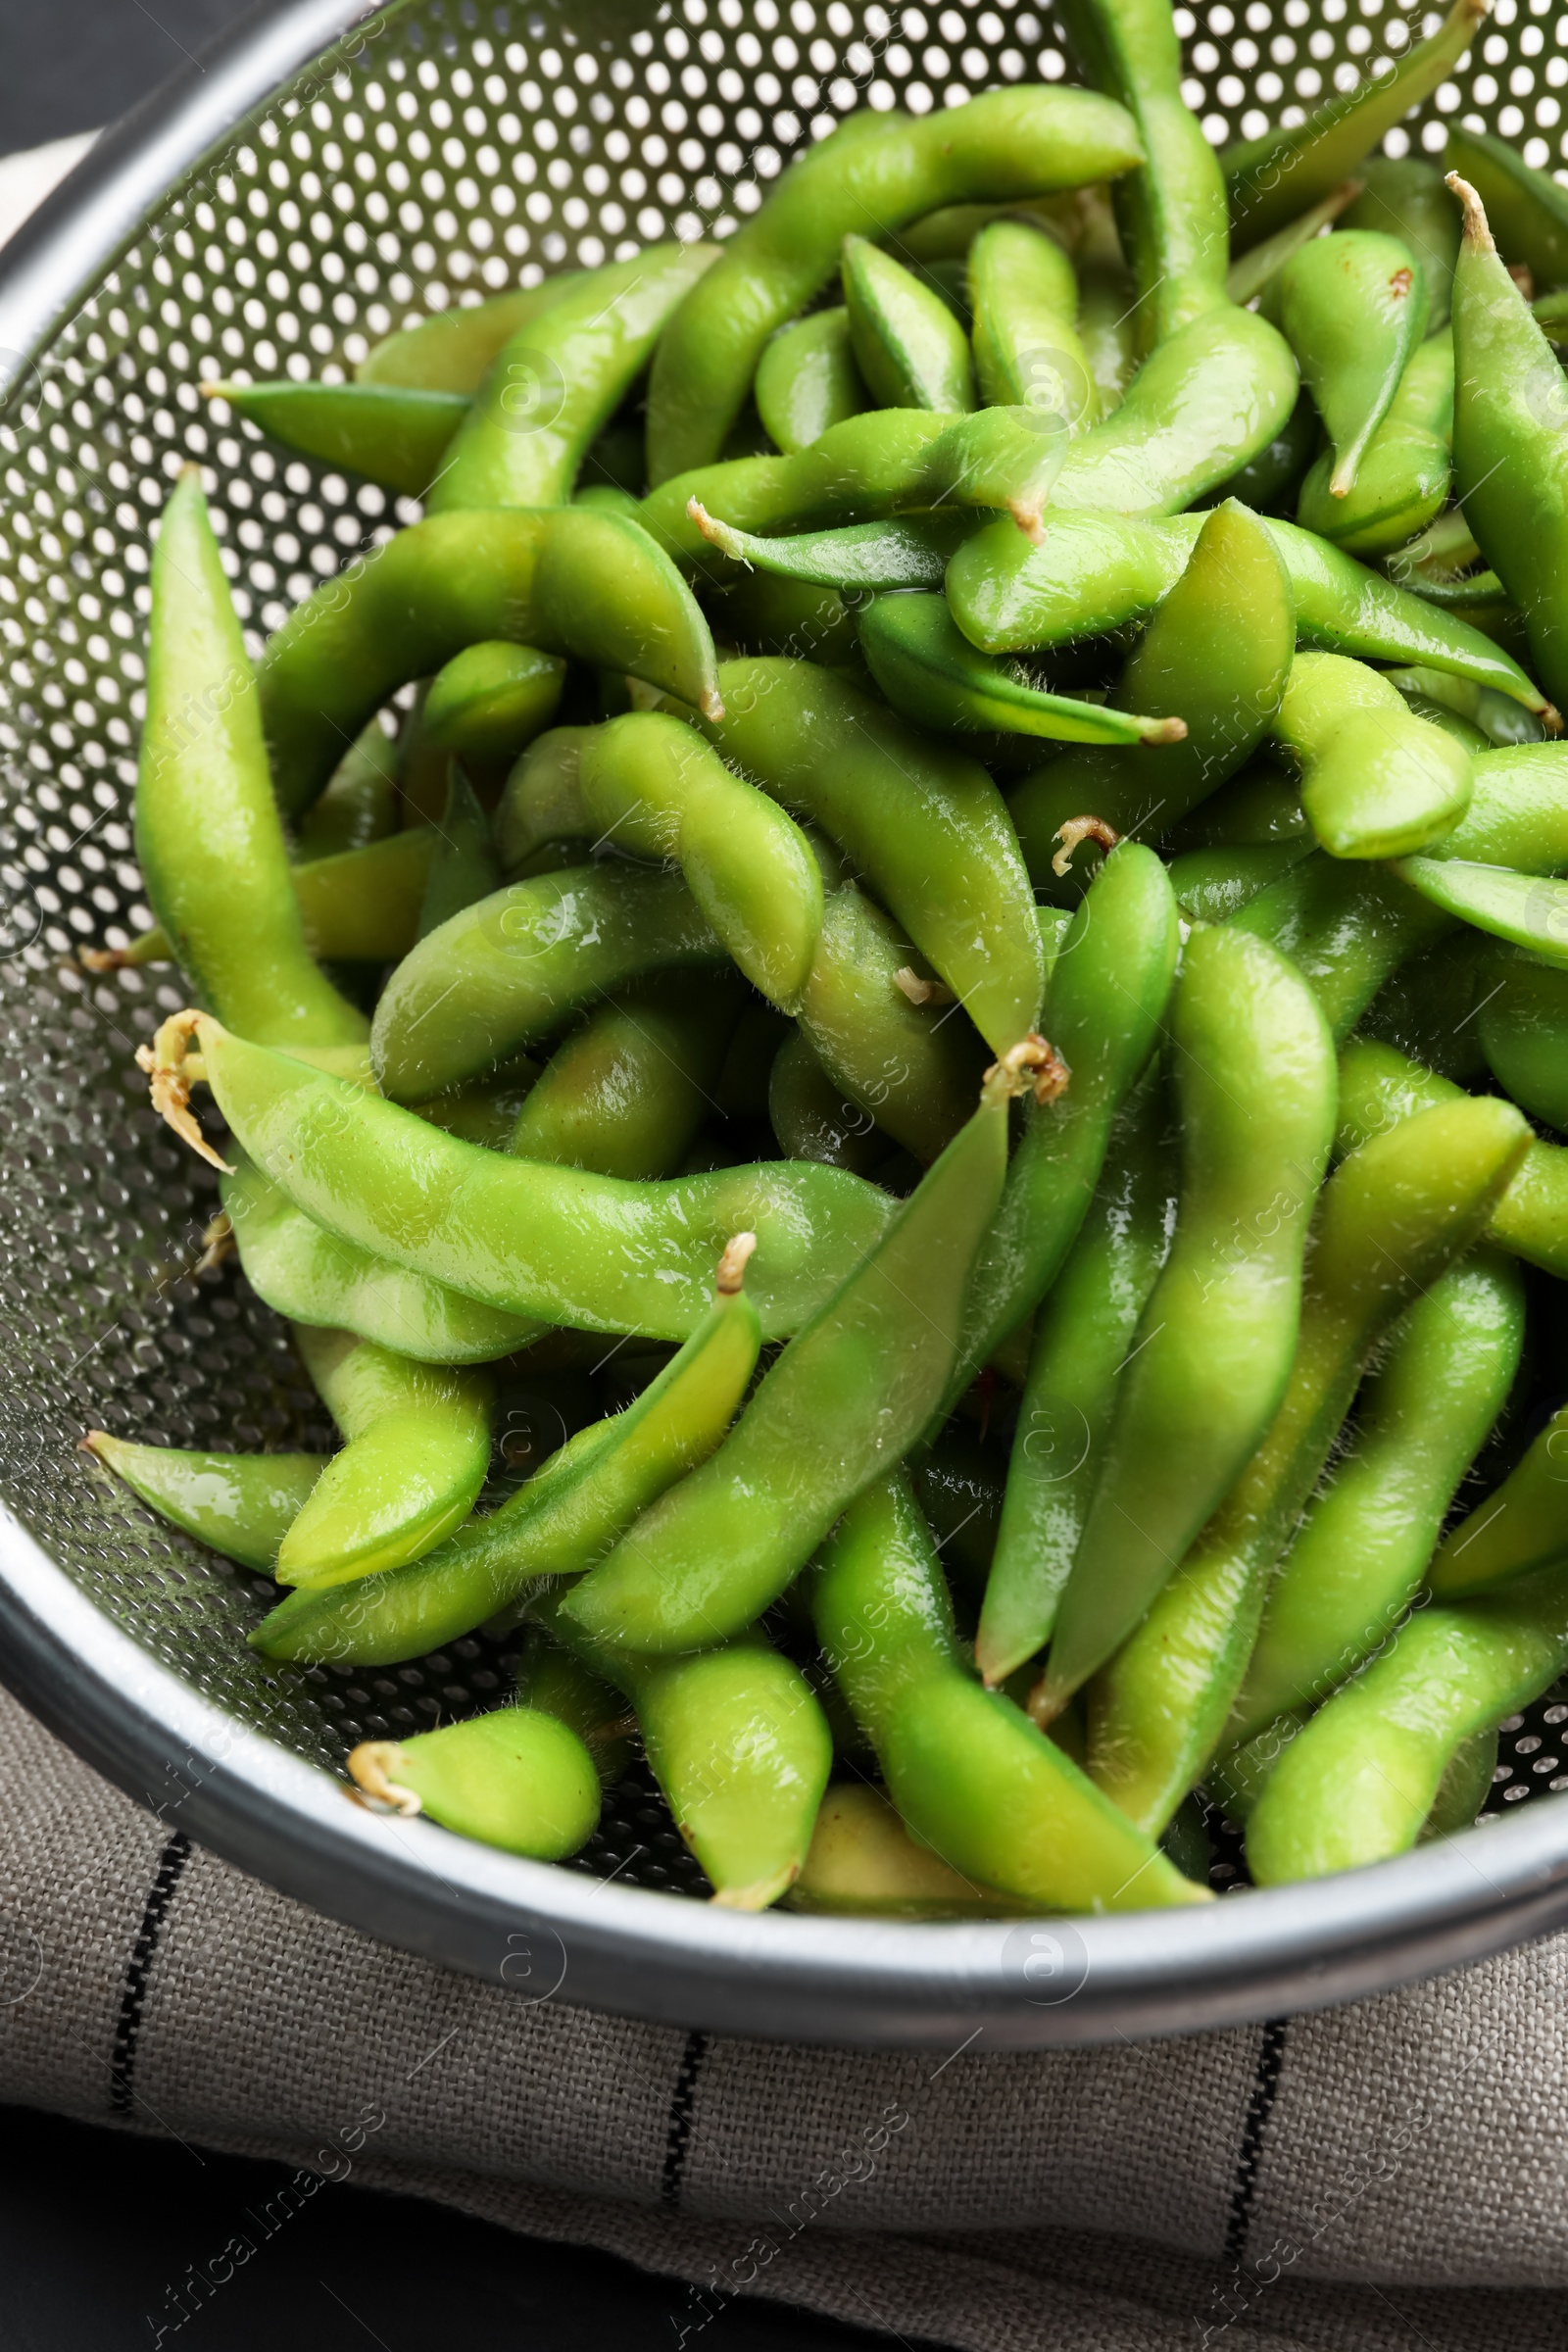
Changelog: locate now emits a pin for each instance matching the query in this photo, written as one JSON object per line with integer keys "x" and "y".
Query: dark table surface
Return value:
{"x": 97, "y": 2228}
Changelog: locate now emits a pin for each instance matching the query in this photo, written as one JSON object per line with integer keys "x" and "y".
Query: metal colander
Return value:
{"x": 273, "y": 213}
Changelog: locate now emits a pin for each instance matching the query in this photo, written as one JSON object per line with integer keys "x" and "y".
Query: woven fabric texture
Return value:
{"x": 1387, "y": 2176}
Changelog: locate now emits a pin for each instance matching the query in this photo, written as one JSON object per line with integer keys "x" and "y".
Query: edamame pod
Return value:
{"x": 1083, "y": 1331}
{"x": 554, "y": 1683}
{"x": 1364, "y": 1545}
{"x": 560, "y": 1522}
{"x": 1249, "y": 273}
{"x": 1527, "y": 910}
{"x": 872, "y": 175}
{"x": 863, "y": 1864}
{"x": 1027, "y": 353}
{"x": 416, "y": 1450}
{"x": 925, "y": 824}
{"x": 627, "y": 1094}
{"x": 453, "y": 350}
{"x": 929, "y": 671}
{"x": 394, "y": 434}
{"x": 1526, "y": 208}
{"x": 360, "y": 802}
{"x": 241, "y": 1504}
{"x": 465, "y": 868}
{"x": 1267, "y": 479}
{"x": 811, "y": 1117}
{"x": 588, "y": 1251}
{"x": 568, "y": 580}
{"x": 516, "y": 966}
{"x": 518, "y": 1779}
{"x": 491, "y": 699}
{"x": 974, "y": 1779}
{"x": 851, "y": 1391}
{"x": 907, "y": 551}
{"x": 1520, "y": 1527}
{"x": 1406, "y": 197}
{"x": 1390, "y": 1220}
{"x": 1108, "y": 315}
{"x": 1354, "y": 307}
{"x": 1376, "y": 780}
{"x": 1427, "y": 1009}
{"x": 1523, "y": 1028}
{"x": 542, "y": 798}
{"x": 1254, "y": 1082}
{"x": 1362, "y": 1777}
{"x": 1406, "y": 471}
{"x": 807, "y": 380}
{"x": 313, "y": 1275}
{"x": 1258, "y": 809}
{"x": 208, "y": 837}
{"x": 1212, "y": 885}
{"x": 909, "y": 349}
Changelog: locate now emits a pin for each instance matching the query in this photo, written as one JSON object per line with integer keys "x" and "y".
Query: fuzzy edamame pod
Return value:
{"x": 1376, "y": 780}
{"x": 1027, "y": 351}
{"x": 491, "y": 699}
{"x": 901, "y": 550}
{"x": 807, "y": 380}
{"x": 851, "y": 1391}
{"x": 560, "y": 378}
{"x": 1250, "y": 271}
{"x": 909, "y": 348}
{"x": 925, "y": 824}
{"x": 1510, "y": 435}
{"x": 1523, "y": 1028}
{"x": 1427, "y": 1009}
{"x": 1270, "y": 179}
{"x": 930, "y": 671}
{"x": 1083, "y": 1333}
{"x": 465, "y": 868}
{"x": 1212, "y": 885}
{"x": 1526, "y": 206}
{"x": 360, "y": 802}
{"x": 589, "y": 1252}
{"x": 453, "y": 350}
{"x": 241, "y": 1504}
{"x": 1406, "y": 197}
{"x": 566, "y": 579}
{"x": 394, "y": 434}
{"x": 873, "y": 174}
{"x": 554, "y": 1683}
{"x": 814, "y": 1119}
{"x": 1219, "y": 652}
{"x": 1354, "y": 308}
{"x": 513, "y": 968}
{"x": 1520, "y": 1527}
{"x": 863, "y": 1864}
{"x": 1407, "y": 468}
{"x": 976, "y": 1782}
{"x": 416, "y": 1450}
{"x": 650, "y": 785}
{"x": 1254, "y": 1082}
{"x": 518, "y": 1778}
{"x": 313, "y": 1275}
{"x": 1364, "y": 1544}
{"x": 560, "y": 1522}
{"x": 1391, "y": 1219}
{"x": 208, "y": 837}
{"x": 627, "y": 1094}
{"x": 1527, "y": 911}
{"x": 1359, "y": 1782}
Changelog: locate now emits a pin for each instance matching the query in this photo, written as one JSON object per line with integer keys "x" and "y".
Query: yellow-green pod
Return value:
{"x": 241, "y": 1504}
{"x": 519, "y": 1778}
{"x": 908, "y": 345}
{"x": 807, "y": 380}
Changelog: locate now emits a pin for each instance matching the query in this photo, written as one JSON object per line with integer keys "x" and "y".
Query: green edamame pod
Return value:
{"x": 553, "y": 1682}
{"x": 909, "y": 550}
{"x": 650, "y": 785}
{"x": 1258, "y": 809}
{"x": 1463, "y": 1789}
{"x": 1219, "y": 652}
{"x": 1027, "y": 353}
{"x": 627, "y": 1094}
{"x": 359, "y": 804}
{"x": 1517, "y": 1529}
{"x": 1212, "y": 885}
{"x": 974, "y": 1779}
{"x": 1107, "y": 313}
{"x": 1501, "y": 721}
{"x": 874, "y": 174}
{"x": 961, "y": 1488}
{"x": 1249, "y": 273}
{"x": 542, "y": 799}
{"x": 852, "y": 1391}
{"x": 1364, "y": 1545}
{"x": 1109, "y": 987}
{"x": 568, "y": 580}
{"x": 490, "y": 700}
{"x": 1510, "y": 430}
{"x": 1391, "y": 1219}
{"x": 392, "y": 433}
{"x": 1254, "y": 1084}
{"x": 588, "y": 1251}
{"x": 863, "y": 1864}
{"x": 807, "y": 380}
{"x": 1407, "y": 468}
{"x": 1280, "y": 173}
{"x": 1082, "y": 1336}
{"x": 208, "y": 837}
{"x": 925, "y": 824}
{"x": 909, "y": 349}
{"x": 313, "y": 1275}
{"x": 453, "y": 350}
{"x": 1362, "y": 1777}
{"x": 1406, "y": 197}
{"x": 811, "y": 1117}
{"x": 1265, "y": 482}
{"x": 1354, "y": 308}
{"x": 466, "y": 867}
{"x": 560, "y": 1522}
{"x": 1529, "y": 911}
{"x": 1523, "y": 1028}
{"x": 1376, "y": 780}
{"x": 241, "y": 1504}
{"x": 559, "y": 381}
{"x": 1526, "y": 208}
{"x": 929, "y": 671}
{"x": 764, "y": 614}
{"x": 518, "y": 1779}
{"x": 416, "y": 1452}
{"x": 1427, "y": 1009}
{"x": 485, "y": 1110}
{"x": 516, "y": 966}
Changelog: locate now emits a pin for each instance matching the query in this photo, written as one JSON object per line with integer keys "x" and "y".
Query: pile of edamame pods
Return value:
{"x": 977, "y": 875}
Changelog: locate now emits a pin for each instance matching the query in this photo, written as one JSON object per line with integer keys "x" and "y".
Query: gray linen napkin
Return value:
{"x": 1379, "y": 2179}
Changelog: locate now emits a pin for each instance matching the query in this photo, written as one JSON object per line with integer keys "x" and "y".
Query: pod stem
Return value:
{"x": 731, "y": 1274}
{"x": 173, "y": 1063}
{"x": 1083, "y": 828}
{"x": 218, "y": 1243}
{"x": 369, "y": 1766}
{"x": 1032, "y": 1066}
{"x": 921, "y": 992}
{"x": 1477, "y": 231}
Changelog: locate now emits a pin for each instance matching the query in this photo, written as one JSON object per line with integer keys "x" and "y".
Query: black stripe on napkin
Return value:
{"x": 128, "y": 2027}
{"x": 1259, "y": 2107}
{"x": 678, "y": 2132}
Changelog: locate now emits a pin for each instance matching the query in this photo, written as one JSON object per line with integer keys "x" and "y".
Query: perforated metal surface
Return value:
{"x": 443, "y": 151}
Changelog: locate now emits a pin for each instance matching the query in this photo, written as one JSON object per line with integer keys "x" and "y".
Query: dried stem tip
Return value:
{"x": 370, "y": 1766}
{"x": 1166, "y": 730}
{"x": 1032, "y": 1066}
{"x": 172, "y": 1064}
{"x": 731, "y": 1273}
{"x": 1083, "y": 828}
{"x": 921, "y": 992}
{"x": 1476, "y": 235}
